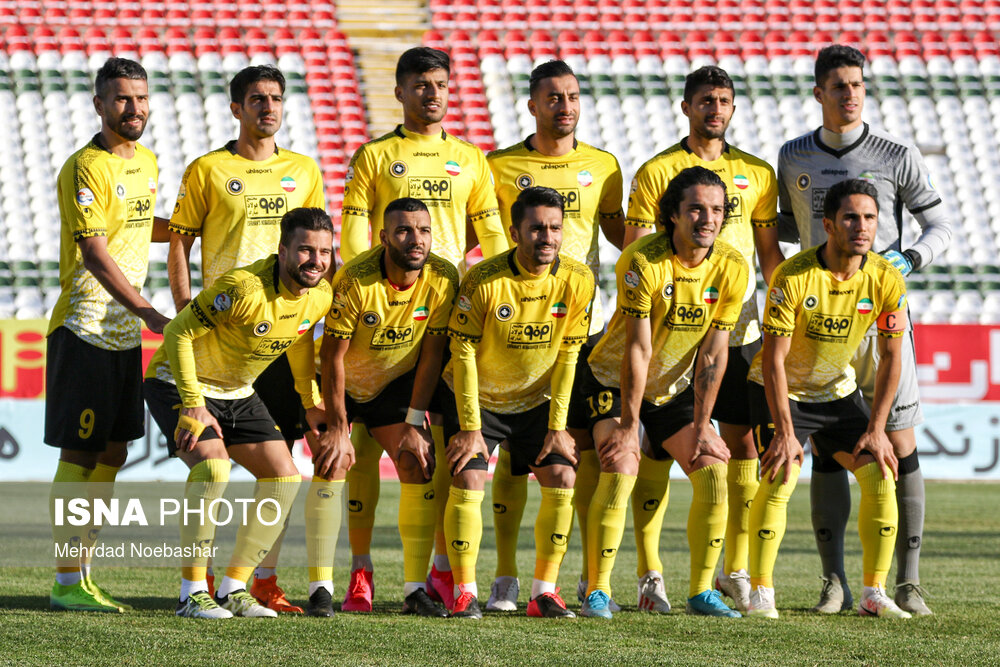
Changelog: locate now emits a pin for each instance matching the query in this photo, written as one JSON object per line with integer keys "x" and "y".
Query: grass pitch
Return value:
{"x": 960, "y": 567}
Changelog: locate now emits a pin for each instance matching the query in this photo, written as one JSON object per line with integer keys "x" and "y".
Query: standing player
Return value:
{"x": 819, "y": 308}
{"x": 384, "y": 341}
{"x": 199, "y": 388}
{"x": 93, "y": 406}
{"x": 233, "y": 198}
{"x": 516, "y": 332}
{"x": 590, "y": 180}
{"x": 847, "y": 147}
{"x": 420, "y": 160}
{"x": 661, "y": 363}
{"x": 750, "y": 224}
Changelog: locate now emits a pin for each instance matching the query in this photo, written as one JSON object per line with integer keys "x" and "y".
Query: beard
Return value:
{"x": 403, "y": 261}
{"x": 299, "y": 275}
{"x": 129, "y": 132}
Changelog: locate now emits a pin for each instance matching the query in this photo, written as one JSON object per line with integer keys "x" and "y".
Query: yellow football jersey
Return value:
{"x": 681, "y": 303}
{"x": 101, "y": 194}
{"x": 518, "y": 323}
{"x": 386, "y": 326}
{"x": 236, "y": 204}
{"x": 752, "y": 189}
{"x": 221, "y": 341}
{"x": 588, "y": 178}
{"x": 449, "y": 175}
{"x": 827, "y": 319}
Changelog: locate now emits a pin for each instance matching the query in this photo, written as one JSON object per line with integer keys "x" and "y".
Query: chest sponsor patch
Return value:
{"x": 432, "y": 190}
{"x": 686, "y": 317}
{"x": 391, "y": 337}
{"x": 829, "y": 328}
{"x": 272, "y": 347}
{"x": 529, "y": 334}
{"x": 264, "y": 208}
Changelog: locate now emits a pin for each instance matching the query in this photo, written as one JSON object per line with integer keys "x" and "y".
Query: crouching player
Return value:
{"x": 661, "y": 362}
{"x": 819, "y": 306}
{"x": 384, "y": 341}
{"x": 515, "y": 333}
{"x": 199, "y": 390}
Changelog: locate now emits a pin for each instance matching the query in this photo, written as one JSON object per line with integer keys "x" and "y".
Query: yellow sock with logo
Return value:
{"x": 649, "y": 503}
{"x": 254, "y": 539}
{"x": 206, "y": 481}
{"x": 442, "y": 483}
{"x": 510, "y": 495}
{"x": 587, "y": 474}
{"x": 768, "y": 518}
{"x": 741, "y": 479}
{"x": 100, "y": 487}
{"x": 552, "y": 528}
{"x": 362, "y": 490}
{"x": 878, "y": 519}
{"x": 70, "y": 481}
{"x": 605, "y": 527}
{"x": 706, "y": 526}
{"x": 463, "y": 525}
{"x": 417, "y": 508}
{"x": 323, "y": 512}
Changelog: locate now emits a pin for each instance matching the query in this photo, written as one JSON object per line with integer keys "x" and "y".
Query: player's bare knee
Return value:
{"x": 114, "y": 455}
{"x": 555, "y": 476}
{"x": 470, "y": 480}
{"x": 80, "y": 458}
{"x": 409, "y": 470}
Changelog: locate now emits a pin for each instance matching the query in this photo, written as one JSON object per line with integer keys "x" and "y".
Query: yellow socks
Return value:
{"x": 70, "y": 481}
{"x": 362, "y": 490}
{"x": 510, "y": 495}
{"x": 206, "y": 481}
{"x": 323, "y": 517}
{"x": 649, "y": 504}
{"x": 605, "y": 527}
{"x": 878, "y": 517}
{"x": 417, "y": 509}
{"x": 706, "y": 525}
{"x": 442, "y": 483}
{"x": 100, "y": 486}
{"x": 768, "y": 518}
{"x": 741, "y": 479}
{"x": 587, "y": 474}
{"x": 463, "y": 525}
{"x": 552, "y": 527}
{"x": 254, "y": 539}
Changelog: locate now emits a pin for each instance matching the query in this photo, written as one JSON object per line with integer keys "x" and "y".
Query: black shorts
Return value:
{"x": 578, "y": 410}
{"x": 276, "y": 388}
{"x": 524, "y": 432}
{"x": 242, "y": 420}
{"x": 389, "y": 407}
{"x": 835, "y": 426}
{"x": 733, "y": 403}
{"x": 92, "y": 396}
{"x": 660, "y": 421}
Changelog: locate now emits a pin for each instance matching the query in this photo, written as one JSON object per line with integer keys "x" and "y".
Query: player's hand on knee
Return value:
{"x": 333, "y": 451}
{"x": 417, "y": 441}
{"x": 193, "y": 423}
{"x": 621, "y": 443}
{"x": 878, "y": 445}
{"x": 560, "y": 443}
{"x": 782, "y": 452}
{"x": 708, "y": 443}
{"x": 464, "y": 447}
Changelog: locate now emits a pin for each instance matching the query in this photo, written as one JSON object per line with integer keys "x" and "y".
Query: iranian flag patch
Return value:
{"x": 559, "y": 309}
{"x": 304, "y": 326}
{"x": 865, "y": 306}
{"x": 711, "y": 295}
{"x": 421, "y": 313}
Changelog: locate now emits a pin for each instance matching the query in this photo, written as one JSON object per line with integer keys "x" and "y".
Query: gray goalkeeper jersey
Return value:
{"x": 807, "y": 168}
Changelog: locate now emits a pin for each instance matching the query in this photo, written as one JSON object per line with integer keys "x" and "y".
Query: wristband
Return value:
{"x": 188, "y": 424}
{"x": 415, "y": 417}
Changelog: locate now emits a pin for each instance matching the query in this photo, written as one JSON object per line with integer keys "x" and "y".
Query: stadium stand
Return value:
{"x": 934, "y": 78}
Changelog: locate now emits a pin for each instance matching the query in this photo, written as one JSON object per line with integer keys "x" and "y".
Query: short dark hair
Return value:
{"x": 117, "y": 68}
{"x": 405, "y": 205}
{"x": 709, "y": 75}
{"x": 250, "y": 75}
{"x": 670, "y": 202}
{"x": 836, "y": 195}
{"x": 310, "y": 219}
{"x": 835, "y": 56}
{"x": 421, "y": 59}
{"x": 548, "y": 70}
{"x": 532, "y": 197}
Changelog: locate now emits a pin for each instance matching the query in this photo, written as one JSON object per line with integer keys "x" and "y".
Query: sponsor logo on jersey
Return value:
{"x": 505, "y": 311}
{"x": 634, "y": 186}
{"x": 304, "y": 326}
{"x": 741, "y": 181}
{"x": 234, "y": 186}
{"x": 711, "y": 295}
{"x": 585, "y": 178}
{"x": 668, "y": 291}
{"x": 524, "y": 181}
{"x": 776, "y": 296}
{"x": 272, "y": 347}
{"x": 264, "y": 207}
{"x": 398, "y": 168}
{"x": 829, "y": 328}
{"x": 390, "y": 337}
{"x": 261, "y": 328}
{"x": 84, "y": 197}
{"x": 818, "y": 197}
{"x": 453, "y": 168}
{"x": 686, "y": 317}
{"x": 432, "y": 190}
{"x": 222, "y": 302}
{"x": 559, "y": 310}
{"x": 902, "y": 300}
{"x": 735, "y": 208}
{"x": 152, "y": 185}
{"x": 120, "y": 191}
{"x": 802, "y": 182}
{"x": 464, "y": 303}
{"x": 138, "y": 208}
{"x": 288, "y": 184}
{"x": 571, "y": 199}
{"x": 370, "y": 318}
{"x": 421, "y": 313}
{"x": 811, "y": 302}
{"x": 865, "y": 306}
{"x": 349, "y": 175}
{"x": 425, "y": 154}
{"x": 631, "y": 278}
{"x": 840, "y": 292}
{"x": 338, "y": 299}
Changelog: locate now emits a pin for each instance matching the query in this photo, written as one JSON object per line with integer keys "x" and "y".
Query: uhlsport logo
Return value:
{"x": 499, "y": 508}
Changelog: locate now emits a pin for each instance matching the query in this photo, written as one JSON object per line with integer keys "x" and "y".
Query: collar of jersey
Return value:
{"x": 822, "y": 262}
{"x": 527, "y": 144}
{"x": 518, "y": 270}
{"x": 231, "y": 147}
{"x": 406, "y": 134}
{"x": 838, "y": 153}
{"x": 687, "y": 149}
